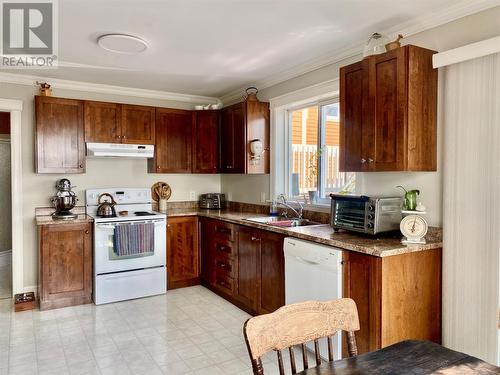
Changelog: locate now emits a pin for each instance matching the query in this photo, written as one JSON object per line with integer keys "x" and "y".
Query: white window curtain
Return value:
{"x": 471, "y": 212}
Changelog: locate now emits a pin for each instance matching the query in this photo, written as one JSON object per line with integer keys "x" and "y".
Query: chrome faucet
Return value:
{"x": 286, "y": 203}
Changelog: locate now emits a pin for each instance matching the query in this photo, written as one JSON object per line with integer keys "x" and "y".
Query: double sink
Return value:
{"x": 282, "y": 221}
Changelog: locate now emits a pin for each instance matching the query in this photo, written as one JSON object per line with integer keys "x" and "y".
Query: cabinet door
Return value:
{"x": 173, "y": 141}
{"x": 384, "y": 144}
{"x": 65, "y": 265}
{"x": 137, "y": 124}
{"x": 362, "y": 281}
{"x": 102, "y": 122}
{"x": 205, "y": 143}
{"x": 353, "y": 84}
{"x": 232, "y": 139}
{"x": 248, "y": 268}
{"x": 182, "y": 252}
{"x": 272, "y": 271}
{"x": 60, "y": 144}
{"x": 207, "y": 252}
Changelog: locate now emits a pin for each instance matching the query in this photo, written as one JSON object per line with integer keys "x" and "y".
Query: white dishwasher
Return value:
{"x": 313, "y": 272}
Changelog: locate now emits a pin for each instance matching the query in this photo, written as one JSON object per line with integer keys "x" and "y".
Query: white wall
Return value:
{"x": 463, "y": 31}
{"x": 37, "y": 189}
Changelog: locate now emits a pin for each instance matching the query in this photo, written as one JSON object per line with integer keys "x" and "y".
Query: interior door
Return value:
{"x": 385, "y": 145}
{"x": 137, "y": 124}
{"x": 173, "y": 141}
{"x": 353, "y": 91}
{"x": 205, "y": 141}
{"x": 102, "y": 122}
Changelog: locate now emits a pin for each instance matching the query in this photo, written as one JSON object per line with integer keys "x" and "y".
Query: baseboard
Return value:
{"x": 5, "y": 258}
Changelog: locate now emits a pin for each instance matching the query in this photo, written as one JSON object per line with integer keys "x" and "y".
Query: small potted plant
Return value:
{"x": 312, "y": 177}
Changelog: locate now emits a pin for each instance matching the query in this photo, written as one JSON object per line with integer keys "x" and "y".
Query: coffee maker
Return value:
{"x": 64, "y": 200}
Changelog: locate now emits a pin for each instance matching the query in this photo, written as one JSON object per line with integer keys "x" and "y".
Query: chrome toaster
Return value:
{"x": 214, "y": 201}
{"x": 370, "y": 215}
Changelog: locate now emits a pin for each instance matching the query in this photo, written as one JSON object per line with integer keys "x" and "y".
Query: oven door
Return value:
{"x": 107, "y": 258}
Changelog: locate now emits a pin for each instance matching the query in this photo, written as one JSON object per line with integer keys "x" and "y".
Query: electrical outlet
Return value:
{"x": 262, "y": 197}
{"x": 192, "y": 195}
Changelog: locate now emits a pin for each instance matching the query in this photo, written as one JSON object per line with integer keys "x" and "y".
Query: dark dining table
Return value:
{"x": 412, "y": 357}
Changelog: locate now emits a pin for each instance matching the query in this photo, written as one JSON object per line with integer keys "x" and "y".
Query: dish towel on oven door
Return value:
{"x": 134, "y": 239}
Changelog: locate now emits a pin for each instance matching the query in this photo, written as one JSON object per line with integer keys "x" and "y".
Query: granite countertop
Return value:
{"x": 48, "y": 220}
{"x": 323, "y": 233}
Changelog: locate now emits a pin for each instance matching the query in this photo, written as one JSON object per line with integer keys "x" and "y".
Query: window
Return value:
{"x": 314, "y": 151}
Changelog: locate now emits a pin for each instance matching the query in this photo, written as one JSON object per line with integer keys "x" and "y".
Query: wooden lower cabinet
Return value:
{"x": 398, "y": 297}
{"x": 248, "y": 268}
{"x": 65, "y": 276}
{"x": 244, "y": 265}
{"x": 272, "y": 272}
{"x": 182, "y": 252}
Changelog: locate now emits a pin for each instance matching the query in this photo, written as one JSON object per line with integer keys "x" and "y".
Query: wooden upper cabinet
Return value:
{"x": 182, "y": 252}
{"x": 232, "y": 139}
{"x": 173, "y": 141}
{"x": 204, "y": 141}
{"x": 102, "y": 122}
{"x": 240, "y": 124}
{"x": 65, "y": 265}
{"x": 119, "y": 123}
{"x": 352, "y": 84}
{"x": 388, "y": 106}
{"x": 60, "y": 143}
{"x": 137, "y": 124}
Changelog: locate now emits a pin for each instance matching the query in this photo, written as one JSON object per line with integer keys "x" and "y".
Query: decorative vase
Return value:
{"x": 375, "y": 45}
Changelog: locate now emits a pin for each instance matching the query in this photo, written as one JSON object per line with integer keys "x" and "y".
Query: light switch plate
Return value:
{"x": 192, "y": 195}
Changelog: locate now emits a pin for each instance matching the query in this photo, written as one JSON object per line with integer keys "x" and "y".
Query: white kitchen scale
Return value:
{"x": 414, "y": 227}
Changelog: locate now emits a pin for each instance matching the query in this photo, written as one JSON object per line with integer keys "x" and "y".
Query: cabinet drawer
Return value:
{"x": 224, "y": 248}
{"x": 223, "y": 265}
{"x": 223, "y": 282}
{"x": 224, "y": 230}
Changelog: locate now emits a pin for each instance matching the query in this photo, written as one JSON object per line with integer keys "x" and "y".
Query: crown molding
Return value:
{"x": 30, "y": 80}
{"x": 461, "y": 9}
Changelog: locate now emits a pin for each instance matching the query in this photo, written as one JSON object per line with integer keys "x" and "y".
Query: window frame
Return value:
{"x": 320, "y": 183}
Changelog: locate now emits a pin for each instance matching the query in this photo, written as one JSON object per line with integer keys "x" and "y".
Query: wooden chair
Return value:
{"x": 298, "y": 324}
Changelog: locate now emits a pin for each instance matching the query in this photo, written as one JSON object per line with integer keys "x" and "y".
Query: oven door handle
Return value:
{"x": 113, "y": 225}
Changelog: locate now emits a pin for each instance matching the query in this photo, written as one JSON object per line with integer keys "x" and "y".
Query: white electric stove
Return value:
{"x": 130, "y": 248}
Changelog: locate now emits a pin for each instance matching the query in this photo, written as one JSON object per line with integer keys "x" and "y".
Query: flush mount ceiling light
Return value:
{"x": 122, "y": 43}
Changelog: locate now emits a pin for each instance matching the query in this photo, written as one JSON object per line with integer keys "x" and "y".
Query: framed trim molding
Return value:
{"x": 15, "y": 108}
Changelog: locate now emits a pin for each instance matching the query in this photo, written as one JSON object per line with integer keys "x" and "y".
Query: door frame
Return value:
{"x": 14, "y": 107}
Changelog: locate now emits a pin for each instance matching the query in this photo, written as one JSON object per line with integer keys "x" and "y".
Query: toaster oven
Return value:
{"x": 366, "y": 214}
{"x": 214, "y": 201}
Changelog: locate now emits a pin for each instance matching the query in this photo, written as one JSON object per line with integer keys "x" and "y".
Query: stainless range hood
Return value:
{"x": 118, "y": 150}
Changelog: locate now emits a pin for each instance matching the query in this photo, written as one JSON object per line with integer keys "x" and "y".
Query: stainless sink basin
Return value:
{"x": 282, "y": 221}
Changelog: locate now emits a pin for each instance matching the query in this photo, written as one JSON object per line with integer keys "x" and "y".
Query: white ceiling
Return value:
{"x": 212, "y": 47}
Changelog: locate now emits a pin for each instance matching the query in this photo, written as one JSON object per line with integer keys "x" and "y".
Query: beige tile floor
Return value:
{"x": 186, "y": 331}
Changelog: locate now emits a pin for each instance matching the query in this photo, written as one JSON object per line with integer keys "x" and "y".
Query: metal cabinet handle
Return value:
{"x": 370, "y": 160}
{"x": 363, "y": 161}
{"x": 255, "y": 238}
{"x": 86, "y": 232}
{"x": 80, "y": 166}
